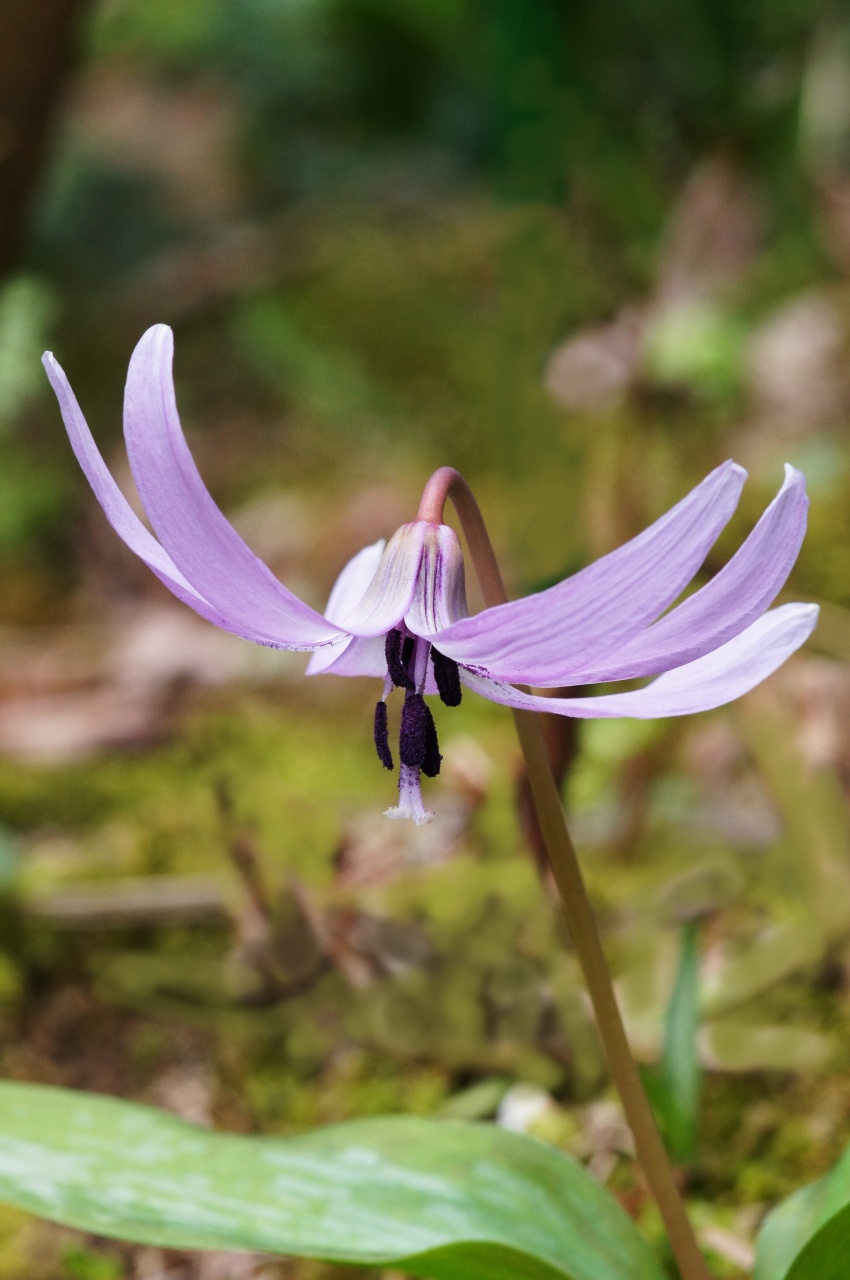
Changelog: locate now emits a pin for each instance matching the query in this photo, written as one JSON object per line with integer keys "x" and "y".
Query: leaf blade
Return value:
{"x": 444, "y": 1199}
{"x": 806, "y": 1236}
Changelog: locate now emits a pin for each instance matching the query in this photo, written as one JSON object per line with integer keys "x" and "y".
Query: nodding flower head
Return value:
{"x": 398, "y": 610}
{"x": 409, "y": 588}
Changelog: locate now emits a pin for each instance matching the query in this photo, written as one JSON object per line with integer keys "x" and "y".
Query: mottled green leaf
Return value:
{"x": 440, "y": 1198}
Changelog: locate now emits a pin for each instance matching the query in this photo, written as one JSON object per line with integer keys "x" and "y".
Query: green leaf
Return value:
{"x": 440, "y": 1198}
{"x": 680, "y": 1068}
{"x": 807, "y": 1237}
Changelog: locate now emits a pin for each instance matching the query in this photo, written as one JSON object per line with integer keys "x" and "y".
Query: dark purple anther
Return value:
{"x": 447, "y": 677}
{"x": 382, "y": 737}
{"x": 433, "y": 759}
{"x": 413, "y": 738}
{"x": 397, "y": 660}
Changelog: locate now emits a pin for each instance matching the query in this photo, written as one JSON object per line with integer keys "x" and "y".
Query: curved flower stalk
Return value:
{"x": 398, "y": 610}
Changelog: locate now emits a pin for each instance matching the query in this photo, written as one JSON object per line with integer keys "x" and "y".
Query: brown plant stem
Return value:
{"x": 37, "y": 39}
{"x": 577, "y": 911}
{"x": 560, "y": 736}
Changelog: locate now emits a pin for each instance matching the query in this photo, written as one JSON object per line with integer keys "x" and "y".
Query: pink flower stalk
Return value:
{"x": 398, "y": 610}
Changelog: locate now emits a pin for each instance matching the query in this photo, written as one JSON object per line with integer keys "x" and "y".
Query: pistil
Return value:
{"x": 418, "y": 746}
{"x": 409, "y": 798}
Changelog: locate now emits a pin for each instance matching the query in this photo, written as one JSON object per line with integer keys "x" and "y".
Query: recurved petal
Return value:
{"x": 203, "y": 545}
{"x": 604, "y": 605}
{"x": 723, "y": 608}
{"x": 710, "y": 681}
{"x": 115, "y": 506}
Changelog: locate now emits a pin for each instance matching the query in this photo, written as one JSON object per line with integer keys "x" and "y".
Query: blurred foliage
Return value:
{"x": 441, "y": 192}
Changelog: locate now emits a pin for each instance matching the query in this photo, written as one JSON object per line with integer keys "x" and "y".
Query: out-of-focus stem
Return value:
{"x": 36, "y": 47}
{"x": 578, "y": 913}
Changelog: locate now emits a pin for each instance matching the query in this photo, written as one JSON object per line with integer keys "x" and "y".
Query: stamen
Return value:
{"x": 382, "y": 737}
{"x": 413, "y": 737}
{"x": 447, "y": 677}
{"x": 398, "y": 658}
{"x": 417, "y": 742}
{"x": 432, "y": 761}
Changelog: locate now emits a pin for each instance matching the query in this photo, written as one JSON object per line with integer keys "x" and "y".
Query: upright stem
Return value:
{"x": 578, "y": 913}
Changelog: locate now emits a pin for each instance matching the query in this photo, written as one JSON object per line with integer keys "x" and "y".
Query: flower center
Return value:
{"x": 418, "y": 748}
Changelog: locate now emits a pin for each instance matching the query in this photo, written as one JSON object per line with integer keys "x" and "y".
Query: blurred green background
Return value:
{"x": 584, "y": 253}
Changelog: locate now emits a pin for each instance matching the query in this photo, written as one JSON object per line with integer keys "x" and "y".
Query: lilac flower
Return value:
{"x": 398, "y": 610}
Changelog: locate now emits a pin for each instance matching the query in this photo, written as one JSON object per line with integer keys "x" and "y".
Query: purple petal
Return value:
{"x": 419, "y": 580}
{"x": 351, "y": 585}
{"x": 710, "y": 681}
{"x": 388, "y": 596}
{"x": 725, "y": 607}
{"x": 440, "y": 595}
{"x": 359, "y": 656}
{"x": 205, "y": 547}
{"x": 346, "y": 592}
{"x": 604, "y": 605}
{"x": 116, "y": 508}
